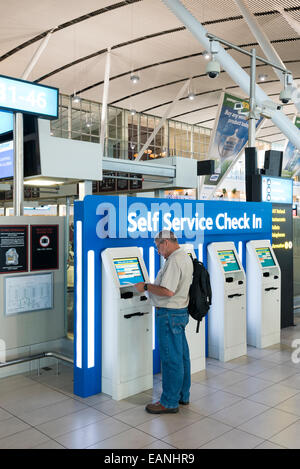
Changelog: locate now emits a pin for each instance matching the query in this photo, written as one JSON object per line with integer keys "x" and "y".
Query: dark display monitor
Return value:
{"x": 6, "y": 160}
{"x": 265, "y": 257}
{"x": 129, "y": 271}
{"x": 228, "y": 261}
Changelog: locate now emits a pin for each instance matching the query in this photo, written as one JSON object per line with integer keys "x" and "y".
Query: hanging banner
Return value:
{"x": 44, "y": 247}
{"x": 13, "y": 249}
{"x": 291, "y": 159}
{"x": 229, "y": 137}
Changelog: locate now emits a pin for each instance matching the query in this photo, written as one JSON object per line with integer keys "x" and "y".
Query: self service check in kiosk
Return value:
{"x": 196, "y": 341}
{"x": 227, "y": 315}
{"x": 127, "y": 367}
{"x": 263, "y": 295}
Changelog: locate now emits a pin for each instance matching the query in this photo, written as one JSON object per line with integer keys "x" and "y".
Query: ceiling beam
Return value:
{"x": 178, "y": 81}
{"x": 77, "y": 20}
{"x": 144, "y": 38}
{"x": 209, "y": 91}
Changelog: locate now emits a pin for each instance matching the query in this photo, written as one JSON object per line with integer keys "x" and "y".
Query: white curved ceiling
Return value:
{"x": 145, "y": 37}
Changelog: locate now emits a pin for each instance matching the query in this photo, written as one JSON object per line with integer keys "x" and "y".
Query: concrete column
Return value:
{"x": 85, "y": 188}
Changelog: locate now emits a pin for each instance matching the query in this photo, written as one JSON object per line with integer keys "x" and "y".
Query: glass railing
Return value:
{"x": 128, "y": 131}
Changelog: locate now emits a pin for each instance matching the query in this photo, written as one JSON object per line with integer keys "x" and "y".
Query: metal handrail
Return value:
{"x": 18, "y": 361}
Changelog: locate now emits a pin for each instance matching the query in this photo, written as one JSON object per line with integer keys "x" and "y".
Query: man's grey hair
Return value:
{"x": 165, "y": 234}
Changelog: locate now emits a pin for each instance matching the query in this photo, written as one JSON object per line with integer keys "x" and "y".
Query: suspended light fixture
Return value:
{"x": 89, "y": 121}
{"x": 132, "y": 112}
{"x": 191, "y": 96}
{"x": 262, "y": 77}
{"x": 206, "y": 54}
{"x": 76, "y": 98}
{"x": 134, "y": 78}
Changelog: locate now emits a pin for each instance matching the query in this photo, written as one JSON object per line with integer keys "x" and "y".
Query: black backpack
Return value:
{"x": 200, "y": 293}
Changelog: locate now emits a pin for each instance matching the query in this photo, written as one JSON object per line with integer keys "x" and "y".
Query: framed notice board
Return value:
{"x": 13, "y": 249}
{"x": 44, "y": 247}
{"x": 27, "y": 293}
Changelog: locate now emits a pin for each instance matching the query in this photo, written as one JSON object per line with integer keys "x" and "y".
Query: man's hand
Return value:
{"x": 155, "y": 289}
{"x": 140, "y": 287}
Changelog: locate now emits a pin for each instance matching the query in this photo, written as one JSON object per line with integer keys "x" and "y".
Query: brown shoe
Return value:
{"x": 158, "y": 408}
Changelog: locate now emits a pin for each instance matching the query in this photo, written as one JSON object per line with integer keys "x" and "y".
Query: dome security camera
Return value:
{"x": 213, "y": 69}
{"x": 285, "y": 96}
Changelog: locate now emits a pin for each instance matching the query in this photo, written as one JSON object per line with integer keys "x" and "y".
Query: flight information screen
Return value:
{"x": 6, "y": 160}
{"x": 6, "y": 122}
{"x": 25, "y": 96}
{"x": 129, "y": 271}
{"x": 228, "y": 261}
{"x": 277, "y": 190}
{"x": 265, "y": 257}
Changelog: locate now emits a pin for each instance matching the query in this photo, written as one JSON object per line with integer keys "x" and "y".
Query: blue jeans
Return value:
{"x": 175, "y": 356}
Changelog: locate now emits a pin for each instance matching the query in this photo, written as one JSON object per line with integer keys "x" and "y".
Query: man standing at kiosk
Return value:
{"x": 170, "y": 295}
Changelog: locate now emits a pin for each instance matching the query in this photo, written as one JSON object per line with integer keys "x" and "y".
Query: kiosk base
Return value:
{"x": 264, "y": 342}
{"x": 227, "y": 355}
{"x": 198, "y": 365}
{"x": 196, "y": 345}
{"x": 128, "y": 389}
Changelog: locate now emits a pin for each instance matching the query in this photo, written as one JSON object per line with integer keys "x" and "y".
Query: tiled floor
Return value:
{"x": 251, "y": 402}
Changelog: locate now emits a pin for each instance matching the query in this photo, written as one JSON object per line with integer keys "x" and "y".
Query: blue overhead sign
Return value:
{"x": 26, "y": 97}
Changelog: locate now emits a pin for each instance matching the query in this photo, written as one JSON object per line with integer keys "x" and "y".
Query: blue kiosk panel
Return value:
{"x": 103, "y": 222}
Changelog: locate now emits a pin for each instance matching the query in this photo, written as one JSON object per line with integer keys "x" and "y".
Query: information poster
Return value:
{"x": 28, "y": 293}
{"x": 44, "y": 247}
{"x": 13, "y": 249}
{"x": 229, "y": 137}
{"x": 282, "y": 243}
{"x": 291, "y": 162}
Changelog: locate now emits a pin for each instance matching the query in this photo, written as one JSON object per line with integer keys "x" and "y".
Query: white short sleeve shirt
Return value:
{"x": 176, "y": 275}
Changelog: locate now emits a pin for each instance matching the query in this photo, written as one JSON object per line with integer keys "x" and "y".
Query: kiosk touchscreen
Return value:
{"x": 227, "y": 316}
{"x": 196, "y": 341}
{"x": 263, "y": 295}
{"x": 129, "y": 271}
{"x": 127, "y": 367}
